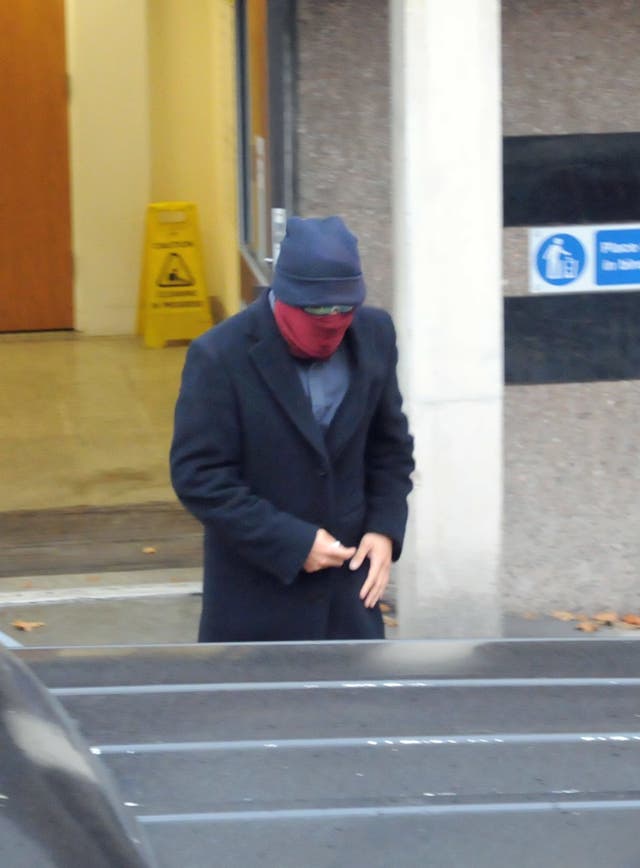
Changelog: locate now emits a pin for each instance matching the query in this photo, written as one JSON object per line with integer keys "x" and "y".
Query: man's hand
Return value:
{"x": 326, "y": 552}
{"x": 378, "y": 549}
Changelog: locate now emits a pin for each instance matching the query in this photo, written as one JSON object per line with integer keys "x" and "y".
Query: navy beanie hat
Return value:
{"x": 318, "y": 264}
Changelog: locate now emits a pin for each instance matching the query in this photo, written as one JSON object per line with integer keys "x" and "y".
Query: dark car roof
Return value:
{"x": 58, "y": 806}
{"x": 398, "y": 753}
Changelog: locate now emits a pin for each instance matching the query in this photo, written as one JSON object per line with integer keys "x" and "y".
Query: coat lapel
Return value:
{"x": 349, "y": 414}
{"x": 277, "y": 369}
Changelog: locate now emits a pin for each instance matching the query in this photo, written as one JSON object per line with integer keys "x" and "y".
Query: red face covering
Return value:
{"x": 309, "y": 336}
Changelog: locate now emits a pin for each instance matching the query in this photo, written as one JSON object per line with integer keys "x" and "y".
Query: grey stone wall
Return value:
{"x": 572, "y": 497}
{"x": 572, "y": 460}
{"x": 568, "y": 66}
{"x": 344, "y": 159}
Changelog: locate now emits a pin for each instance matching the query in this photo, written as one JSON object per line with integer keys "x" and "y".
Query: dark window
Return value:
{"x": 266, "y": 88}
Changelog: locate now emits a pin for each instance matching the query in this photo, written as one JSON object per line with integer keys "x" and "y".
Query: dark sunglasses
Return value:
{"x": 326, "y": 310}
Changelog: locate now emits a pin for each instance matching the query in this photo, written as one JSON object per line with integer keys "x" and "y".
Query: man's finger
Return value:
{"x": 372, "y": 599}
{"x": 375, "y": 583}
{"x": 371, "y": 596}
{"x": 337, "y": 555}
{"x": 360, "y": 555}
{"x": 369, "y": 582}
{"x": 376, "y": 592}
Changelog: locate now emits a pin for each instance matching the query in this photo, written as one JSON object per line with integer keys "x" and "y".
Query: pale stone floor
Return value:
{"x": 85, "y": 420}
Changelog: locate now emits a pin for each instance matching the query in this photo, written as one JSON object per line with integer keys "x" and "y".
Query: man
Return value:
{"x": 291, "y": 447}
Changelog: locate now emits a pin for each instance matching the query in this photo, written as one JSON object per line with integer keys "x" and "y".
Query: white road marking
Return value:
{"x": 107, "y": 592}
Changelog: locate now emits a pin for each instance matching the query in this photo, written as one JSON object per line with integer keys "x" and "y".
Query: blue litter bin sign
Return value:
{"x": 561, "y": 259}
{"x": 618, "y": 257}
{"x": 584, "y": 258}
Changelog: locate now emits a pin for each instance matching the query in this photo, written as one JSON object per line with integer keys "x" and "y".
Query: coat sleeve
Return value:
{"x": 207, "y": 475}
{"x": 389, "y": 457}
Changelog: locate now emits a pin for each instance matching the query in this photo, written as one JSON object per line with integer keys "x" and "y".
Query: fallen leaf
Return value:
{"x": 93, "y": 578}
{"x": 606, "y": 617}
{"x": 530, "y": 616}
{"x": 621, "y": 625}
{"x": 148, "y": 550}
{"x": 389, "y": 621}
{"x": 631, "y": 619}
{"x": 27, "y": 584}
{"x": 27, "y": 626}
{"x": 385, "y": 607}
{"x": 565, "y": 616}
{"x": 587, "y": 626}
{"x": 179, "y": 579}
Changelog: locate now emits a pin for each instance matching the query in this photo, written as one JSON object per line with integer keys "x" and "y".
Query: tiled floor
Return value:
{"x": 85, "y": 421}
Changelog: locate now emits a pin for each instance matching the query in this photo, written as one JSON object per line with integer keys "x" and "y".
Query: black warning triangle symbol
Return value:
{"x": 174, "y": 272}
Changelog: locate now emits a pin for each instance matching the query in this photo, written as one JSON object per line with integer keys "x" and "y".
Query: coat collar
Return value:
{"x": 276, "y": 367}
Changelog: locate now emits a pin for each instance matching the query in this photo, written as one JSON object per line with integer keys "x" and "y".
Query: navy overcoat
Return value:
{"x": 249, "y": 460}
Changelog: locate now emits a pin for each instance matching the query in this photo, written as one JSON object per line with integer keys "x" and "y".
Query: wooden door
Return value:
{"x": 35, "y": 222}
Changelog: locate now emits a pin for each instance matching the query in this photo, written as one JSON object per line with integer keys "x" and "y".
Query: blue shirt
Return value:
{"x": 325, "y": 382}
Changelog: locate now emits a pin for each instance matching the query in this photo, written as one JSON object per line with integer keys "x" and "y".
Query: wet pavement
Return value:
{"x": 156, "y": 606}
{"x": 139, "y": 607}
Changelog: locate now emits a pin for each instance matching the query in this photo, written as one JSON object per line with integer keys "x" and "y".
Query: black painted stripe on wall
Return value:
{"x": 585, "y": 178}
{"x": 573, "y": 338}
{"x": 572, "y": 179}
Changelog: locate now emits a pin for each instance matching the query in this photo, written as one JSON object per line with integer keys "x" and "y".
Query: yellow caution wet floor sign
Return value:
{"x": 173, "y": 303}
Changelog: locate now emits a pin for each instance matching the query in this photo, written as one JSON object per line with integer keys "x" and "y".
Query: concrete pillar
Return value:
{"x": 448, "y": 308}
